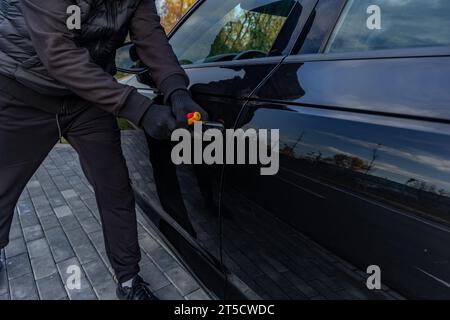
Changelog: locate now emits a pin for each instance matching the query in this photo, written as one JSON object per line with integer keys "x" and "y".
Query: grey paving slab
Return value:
{"x": 56, "y": 200}
{"x": 76, "y": 203}
{"x": 43, "y": 266}
{"x": 23, "y": 288}
{"x": 49, "y": 222}
{"x": 162, "y": 258}
{"x": 106, "y": 290}
{"x": 51, "y": 288}
{"x": 70, "y": 193}
{"x": 90, "y": 224}
{"x": 155, "y": 278}
{"x": 33, "y": 184}
{"x": 59, "y": 245}
{"x": 26, "y": 213}
{"x": 148, "y": 243}
{"x": 18, "y": 266}
{"x": 145, "y": 259}
{"x": 82, "y": 246}
{"x": 34, "y": 188}
{"x": 91, "y": 203}
{"x": 105, "y": 260}
{"x": 69, "y": 223}
{"x": 101, "y": 280}
{"x": 28, "y": 219}
{"x": 61, "y": 182}
{"x": 169, "y": 293}
{"x": 63, "y": 211}
{"x": 199, "y": 294}
{"x": 42, "y": 206}
{"x": 33, "y": 232}
{"x": 16, "y": 231}
{"x": 15, "y": 247}
{"x": 25, "y": 207}
{"x": 98, "y": 240}
{"x": 182, "y": 280}
{"x": 38, "y": 248}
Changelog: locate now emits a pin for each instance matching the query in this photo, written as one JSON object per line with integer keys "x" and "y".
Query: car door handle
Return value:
{"x": 214, "y": 125}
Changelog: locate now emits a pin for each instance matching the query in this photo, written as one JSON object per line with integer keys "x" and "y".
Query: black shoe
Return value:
{"x": 138, "y": 291}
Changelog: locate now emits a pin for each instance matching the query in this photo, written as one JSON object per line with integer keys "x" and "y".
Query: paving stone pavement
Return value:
{"x": 56, "y": 227}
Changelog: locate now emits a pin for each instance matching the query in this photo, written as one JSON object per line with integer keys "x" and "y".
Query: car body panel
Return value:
{"x": 220, "y": 90}
{"x": 364, "y": 163}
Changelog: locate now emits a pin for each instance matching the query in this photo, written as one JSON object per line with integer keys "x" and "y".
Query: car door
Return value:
{"x": 364, "y": 118}
{"x": 227, "y": 48}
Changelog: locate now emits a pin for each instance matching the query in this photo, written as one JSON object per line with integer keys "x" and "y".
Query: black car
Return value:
{"x": 360, "y": 91}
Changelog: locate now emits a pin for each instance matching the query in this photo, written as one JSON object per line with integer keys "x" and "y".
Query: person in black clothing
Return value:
{"x": 56, "y": 82}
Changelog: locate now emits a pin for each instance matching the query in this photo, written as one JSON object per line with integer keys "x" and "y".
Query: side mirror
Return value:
{"x": 128, "y": 61}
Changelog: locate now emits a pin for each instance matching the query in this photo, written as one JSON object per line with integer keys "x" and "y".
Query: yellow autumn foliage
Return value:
{"x": 172, "y": 10}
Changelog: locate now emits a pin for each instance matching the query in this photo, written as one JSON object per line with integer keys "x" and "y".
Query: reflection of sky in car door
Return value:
{"x": 404, "y": 24}
{"x": 403, "y": 153}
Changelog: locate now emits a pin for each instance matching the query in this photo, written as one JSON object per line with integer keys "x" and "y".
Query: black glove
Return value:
{"x": 182, "y": 104}
{"x": 158, "y": 122}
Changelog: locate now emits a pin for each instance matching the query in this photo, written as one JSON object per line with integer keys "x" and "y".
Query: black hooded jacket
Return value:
{"x": 44, "y": 57}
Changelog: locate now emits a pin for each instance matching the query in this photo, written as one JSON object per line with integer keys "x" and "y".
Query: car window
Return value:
{"x": 230, "y": 30}
{"x": 319, "y": 26}
{"x": 391, "y": 24}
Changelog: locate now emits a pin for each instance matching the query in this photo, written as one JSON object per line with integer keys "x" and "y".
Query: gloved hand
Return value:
{"x": 158, "y": 122}
{"x": 182, "y": 104}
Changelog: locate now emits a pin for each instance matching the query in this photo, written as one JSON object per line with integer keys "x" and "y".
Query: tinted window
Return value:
{"x": 319, "y": 25}
{"x": 225, "y": 30}
{"x": 391, "y": 24}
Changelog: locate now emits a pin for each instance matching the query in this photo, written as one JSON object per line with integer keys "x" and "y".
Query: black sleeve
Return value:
{"x": 72, "y": 65}
{"x": 155, "y": 51}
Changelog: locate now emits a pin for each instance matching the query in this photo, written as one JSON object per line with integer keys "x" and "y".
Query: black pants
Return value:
{"x": 26, "y": 137}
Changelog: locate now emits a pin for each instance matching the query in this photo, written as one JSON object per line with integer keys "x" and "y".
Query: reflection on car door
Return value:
{"x": 364, "y": 171}
{"x": 372, "y": 188}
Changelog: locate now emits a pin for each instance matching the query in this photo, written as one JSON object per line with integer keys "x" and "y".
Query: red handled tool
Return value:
{"x": 193, "y": 117}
